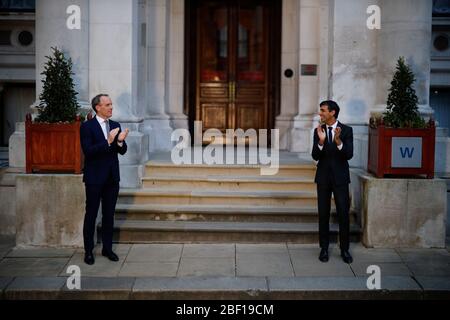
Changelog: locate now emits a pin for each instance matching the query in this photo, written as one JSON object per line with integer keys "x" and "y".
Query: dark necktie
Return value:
{"x": 330, "y": 135}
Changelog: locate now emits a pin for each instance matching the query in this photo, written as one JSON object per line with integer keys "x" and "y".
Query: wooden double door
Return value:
{"x": 233, "y": 63}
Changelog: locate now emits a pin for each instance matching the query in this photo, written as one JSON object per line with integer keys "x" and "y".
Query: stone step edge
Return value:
{"x": 151, "y": 163}
{"x": 168, "y": 192}
{"x": 231, "y": 179}
{"x": 218, "y": 209}
{"x": 247, "y": 227}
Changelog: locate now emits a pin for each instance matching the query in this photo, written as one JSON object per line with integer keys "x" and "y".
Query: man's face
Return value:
{"x": 325, "y": 115}
{"x": 104, "y": 108}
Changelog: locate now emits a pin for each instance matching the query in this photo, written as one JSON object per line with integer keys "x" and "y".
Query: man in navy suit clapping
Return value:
{"x": 333, "y": 148}
{"x": 101, "y": 140}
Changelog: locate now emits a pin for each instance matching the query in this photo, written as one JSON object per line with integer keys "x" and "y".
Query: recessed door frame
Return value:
{"x": 274, "y": 66}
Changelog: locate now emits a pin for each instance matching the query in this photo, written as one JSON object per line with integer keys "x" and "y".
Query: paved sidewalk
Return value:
{"x": 234, "y": 271}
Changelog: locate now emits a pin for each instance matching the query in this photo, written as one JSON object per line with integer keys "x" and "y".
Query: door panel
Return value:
{"x": 251, "y": 65}
{"x": 213, "y": 41}
{"x": 213, "y": 92}
{"x": 249, "y": 116}
{"x": 215, "y": 115}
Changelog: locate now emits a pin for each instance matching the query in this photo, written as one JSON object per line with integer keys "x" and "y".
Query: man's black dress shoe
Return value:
{"x": 89, "y": 258}
{"x": 346, "y": 256}
{"x": 323, "y": 256}
{"x": 110, "y": 255}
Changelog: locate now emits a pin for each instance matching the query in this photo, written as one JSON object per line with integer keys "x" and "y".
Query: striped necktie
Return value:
{"x": 107, "y": 128}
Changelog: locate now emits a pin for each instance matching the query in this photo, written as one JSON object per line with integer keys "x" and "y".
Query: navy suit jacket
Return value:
{"x": 333, "y": 161}
{"x": 100, "y": 159}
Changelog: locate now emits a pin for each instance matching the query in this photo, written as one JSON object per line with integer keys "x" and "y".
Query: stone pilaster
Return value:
{"x": 353, "y": 61}
{"x": 156, "y": 120}
{"x": 174, "y": 65}
{"x": 113, "y": 55}
{"x": 311, "y": 26}
{"x": 289, "y": 60}
{"x": 353, "y": 69}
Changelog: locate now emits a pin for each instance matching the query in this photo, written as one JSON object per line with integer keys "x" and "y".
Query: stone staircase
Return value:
{"x": 222, "y": 203}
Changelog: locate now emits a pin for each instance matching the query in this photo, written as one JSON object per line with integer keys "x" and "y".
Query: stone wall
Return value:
{"x": 50, "y": 210}
{"x": 7, "y": 203}
{"x": 400, "y": 212}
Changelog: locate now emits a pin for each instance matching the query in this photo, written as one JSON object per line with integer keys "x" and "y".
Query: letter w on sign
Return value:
{"x": 406, "y": 152}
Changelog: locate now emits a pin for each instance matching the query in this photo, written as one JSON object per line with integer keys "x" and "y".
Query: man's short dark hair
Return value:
{"x": 332, "y": 106}
{"x": 96, "y": 100}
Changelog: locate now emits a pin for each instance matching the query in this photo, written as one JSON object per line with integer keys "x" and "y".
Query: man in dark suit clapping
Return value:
{"x": 101, "y": 141}
{"x": 332, "y": 148}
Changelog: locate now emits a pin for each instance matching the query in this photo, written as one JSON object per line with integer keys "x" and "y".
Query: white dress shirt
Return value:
{"x": 334, "y": 126}
{"x": 102, "y": 123}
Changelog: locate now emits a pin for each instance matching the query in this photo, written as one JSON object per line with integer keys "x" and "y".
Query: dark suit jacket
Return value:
{"x": 333, "y": 161}
{"x": 100, "y": 159}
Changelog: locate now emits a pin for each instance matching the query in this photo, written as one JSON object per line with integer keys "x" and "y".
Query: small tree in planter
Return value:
{"x": 58, "y": 101}
{"x": 401, "y": 142}
{"x": 402, "y": 111}
{"x": 53, "y": 140}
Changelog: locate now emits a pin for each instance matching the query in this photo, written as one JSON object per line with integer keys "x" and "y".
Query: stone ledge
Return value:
{"x": 4, "y": 282}
{"x": 435, "y": 287}
{"x": 392, "y": 287}
{"x": 34, "y": 288}
{"x": 200, "y": 288}
{"x": 207, "y": 288}
{"x": 100, "y": 288}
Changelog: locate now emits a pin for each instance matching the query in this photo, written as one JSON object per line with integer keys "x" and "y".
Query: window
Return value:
{"x": 441, "y": 8}
{"x": 17, "y": 5}
{"x": 441, "y": 42}
{"x": 5, "y": 37}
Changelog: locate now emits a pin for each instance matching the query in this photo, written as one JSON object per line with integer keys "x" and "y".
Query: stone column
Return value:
{"x": 52, "y": 31}
{"x": 113, "y": 56}
{"x": 156, "y": 120}
{"x": 405, "y": 31}
{"x": 289, "y": 60}
{"x": 353, "y": 61}
{"x": 310, "y": 29}
{"x": 175, "y": 66}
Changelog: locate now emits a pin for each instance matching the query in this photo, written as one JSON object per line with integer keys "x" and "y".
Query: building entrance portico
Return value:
{"x": 232, "y": 63}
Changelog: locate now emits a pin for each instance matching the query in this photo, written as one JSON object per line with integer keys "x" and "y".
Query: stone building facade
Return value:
{"x": 136, "y": 50}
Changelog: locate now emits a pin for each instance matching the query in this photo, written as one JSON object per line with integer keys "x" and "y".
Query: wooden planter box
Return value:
{"x": 53, "y": 147}
{"x": 380, "y": 159}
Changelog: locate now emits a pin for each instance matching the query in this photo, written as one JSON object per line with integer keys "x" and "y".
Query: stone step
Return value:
{"x": 144, "y": 231}
{"x": 153, "y": 168}
{"x": 220, "y": 287}
{"x": 218, "y": 182}
{"x": 221, "y": 213}
{"x": 207, "y": 197}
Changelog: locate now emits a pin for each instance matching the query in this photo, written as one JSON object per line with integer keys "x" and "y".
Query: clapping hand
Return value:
{"x": 321, "y": 133}
{"x": 123, "y": 135}
{"x": 112, "y": 135}
{"x": 337, "y": 135}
